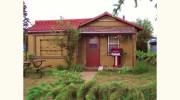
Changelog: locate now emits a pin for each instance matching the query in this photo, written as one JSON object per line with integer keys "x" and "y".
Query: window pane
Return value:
{"x": 113, "y": 43}
{"x": 93, "y": 46}
{"x": 93, "y": 43}
{"x": 112, "y": 46}
{"x": 93, "y": 40}
{"x": 113, "y": 40}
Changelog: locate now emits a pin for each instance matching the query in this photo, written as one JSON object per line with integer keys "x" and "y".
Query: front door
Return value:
{"x": 92, "y": 57}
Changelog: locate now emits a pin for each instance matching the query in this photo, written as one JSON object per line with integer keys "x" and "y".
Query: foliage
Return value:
{"x": 30, "y": 56}
{"x": 84, "y": 90}
{"x": 118, "y": 6}
{"x": 65, "y": 87}
{"x": 141, "y": 67}
{"x": 67, "y": 77}
{"x": 76, "y": 68}
{"x": 144, "y": 35}
{"x": 69, "y": 41}
{"x": 61, "y": 67}
{"x": 124, "y": 70}
{"x": 149, "y": 57}
{"x": 149, "y": 91}
{"x": 107, "y": 72}
{"x": 69, "y": 86}
{"x": 26, "y": 20}
{"x": 120, "y": 2}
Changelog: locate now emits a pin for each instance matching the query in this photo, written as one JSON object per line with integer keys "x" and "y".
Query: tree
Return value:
{"x": 144, "y": 35}
{"x": 26, "y": 23}
{"x": 120, "y": 2}
{"x": 26, "y": 20}
{"x": 69, "y": 41}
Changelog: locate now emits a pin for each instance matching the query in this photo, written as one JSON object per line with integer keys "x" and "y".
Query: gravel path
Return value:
{"x": 88, "y": 75}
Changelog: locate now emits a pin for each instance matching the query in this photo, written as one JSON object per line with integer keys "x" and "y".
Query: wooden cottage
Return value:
{"x": 99, "y": 37}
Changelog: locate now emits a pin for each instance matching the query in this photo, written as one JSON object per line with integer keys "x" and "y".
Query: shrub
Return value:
{"x": 61, "y": 67}
{"x": 124, "y": 70}
{"x": 30, "y": 56}
{"x": 76, "y": 68}
{"x": 85, "y": 90}
{"x": 67, "y": 77}
{"x": 65, "y": 87}
{"x": 149, "y": 57}
{"x": 149, "y": 91}
{"x": 141, "y": 67}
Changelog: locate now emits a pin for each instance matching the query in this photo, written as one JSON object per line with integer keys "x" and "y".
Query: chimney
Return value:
{"x": 124, "y": 17}
{"x": 61, "y": 17}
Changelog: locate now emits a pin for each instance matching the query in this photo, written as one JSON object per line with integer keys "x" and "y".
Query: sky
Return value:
{"x": 74, "y": 9}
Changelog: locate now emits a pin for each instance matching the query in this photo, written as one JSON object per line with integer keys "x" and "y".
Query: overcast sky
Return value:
{"x": 74, "y": 9}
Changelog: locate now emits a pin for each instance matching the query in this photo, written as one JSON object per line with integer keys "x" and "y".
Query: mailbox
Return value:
{"x": 116, "y": 52}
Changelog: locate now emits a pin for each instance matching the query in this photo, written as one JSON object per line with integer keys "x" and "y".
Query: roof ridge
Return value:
{"x": 62, "y": 19}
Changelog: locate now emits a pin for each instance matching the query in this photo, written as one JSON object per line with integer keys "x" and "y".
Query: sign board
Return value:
{"x": 116, "y": 52}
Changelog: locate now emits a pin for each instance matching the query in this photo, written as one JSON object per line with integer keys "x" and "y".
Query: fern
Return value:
{"x": 104, "y": 92}
{"x": 84, "y": 88}
{"x": 92, "y": 93}
{"x": 117, "y": 90}
{"x": 149, "y": 57}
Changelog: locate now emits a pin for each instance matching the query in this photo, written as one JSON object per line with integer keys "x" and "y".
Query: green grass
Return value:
{"x": 129, "y": 78}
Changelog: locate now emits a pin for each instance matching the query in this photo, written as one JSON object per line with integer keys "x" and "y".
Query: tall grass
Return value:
{"x": 124, "y": 70}
{"x": 149, "y": 57}
{"x": 75, "y": 68}
{"x": 141, "y": 67}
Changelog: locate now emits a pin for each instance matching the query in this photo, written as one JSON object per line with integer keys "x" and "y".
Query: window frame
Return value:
{"x": 108, "y": 51}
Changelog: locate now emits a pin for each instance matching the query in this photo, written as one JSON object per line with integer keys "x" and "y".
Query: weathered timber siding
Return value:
{"x": 82, "y": 51}
{"x": 51, "y": 53}
{"x": 105, "y": 59}
{"x": 107, "y": 21}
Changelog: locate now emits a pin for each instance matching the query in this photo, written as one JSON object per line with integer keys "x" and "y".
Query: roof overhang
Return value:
{"x": 108, "y": 30}
{"x": 44, "y": 31}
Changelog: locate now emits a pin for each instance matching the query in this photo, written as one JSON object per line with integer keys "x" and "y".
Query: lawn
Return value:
{"x": 101, "y": 78}
{"x": 31, "y": 82}
{"x": 129, "y": 78}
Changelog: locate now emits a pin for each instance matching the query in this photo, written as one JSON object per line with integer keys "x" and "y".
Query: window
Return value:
{"x": 112, "y": 43}
{"x": 93, "y": 43}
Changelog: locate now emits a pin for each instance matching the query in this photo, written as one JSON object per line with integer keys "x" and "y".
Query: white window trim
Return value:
{"x": 111, "y": 43}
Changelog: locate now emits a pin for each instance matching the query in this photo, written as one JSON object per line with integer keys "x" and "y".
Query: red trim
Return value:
{"x": 108, "y": 14}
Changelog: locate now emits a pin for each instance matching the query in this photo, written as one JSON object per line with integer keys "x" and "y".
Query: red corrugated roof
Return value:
{"x": 46, "y": 25}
